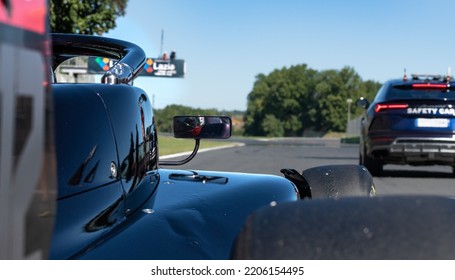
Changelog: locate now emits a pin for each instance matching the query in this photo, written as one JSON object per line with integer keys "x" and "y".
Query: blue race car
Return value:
{"x": 116, "y": 199}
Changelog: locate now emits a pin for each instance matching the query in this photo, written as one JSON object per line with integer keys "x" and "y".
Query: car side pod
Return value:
{"x": 355, "y": 228}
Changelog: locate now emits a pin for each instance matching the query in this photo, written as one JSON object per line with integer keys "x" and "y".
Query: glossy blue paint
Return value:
{"x": 192, "y": 219}
{"x": 107, "y": 161}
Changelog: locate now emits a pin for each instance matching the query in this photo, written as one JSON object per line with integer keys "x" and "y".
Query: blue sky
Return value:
{"x": 226, "y": 43}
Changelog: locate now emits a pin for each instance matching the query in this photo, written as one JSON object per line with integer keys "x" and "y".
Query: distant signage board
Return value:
{"x": 171, "y": 68}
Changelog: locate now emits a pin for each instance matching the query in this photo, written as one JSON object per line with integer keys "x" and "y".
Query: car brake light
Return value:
{"x": 383, "y": 107}
{"x": 430, "y": 86}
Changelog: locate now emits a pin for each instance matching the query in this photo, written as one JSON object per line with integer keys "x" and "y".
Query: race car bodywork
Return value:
{"x": 115, "y": 199}
{"x": 112, "y": 194}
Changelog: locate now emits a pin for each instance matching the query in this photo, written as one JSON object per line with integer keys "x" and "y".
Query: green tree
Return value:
{"x": 85, "y": 17}
{"x": 255, "y": 104}
{"x": 272, "y": 126}
{"x": 283, "y": 94}
{"x": 291, "y": 100}
{"x": 334, "y": 88}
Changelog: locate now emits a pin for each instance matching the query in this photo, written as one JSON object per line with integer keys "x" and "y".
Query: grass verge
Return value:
{"x": 168, "y": 145}
{"x": 350, "y": 140}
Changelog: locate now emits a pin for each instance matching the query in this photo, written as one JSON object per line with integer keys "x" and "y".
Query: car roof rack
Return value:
{"x": 426, "y": 77}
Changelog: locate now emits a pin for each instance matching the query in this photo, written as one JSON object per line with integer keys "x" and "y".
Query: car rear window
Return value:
{"x": 404, "y": 92}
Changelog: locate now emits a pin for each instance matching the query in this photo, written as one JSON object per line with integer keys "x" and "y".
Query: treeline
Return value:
{"x": 289, "y": 101}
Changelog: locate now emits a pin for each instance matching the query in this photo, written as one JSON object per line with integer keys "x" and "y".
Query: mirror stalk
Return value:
{"x": 186, "y": 160}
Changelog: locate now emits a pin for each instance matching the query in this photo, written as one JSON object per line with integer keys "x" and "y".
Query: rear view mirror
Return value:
{"x": 202, "y": 127}
{"x": 362, "y": 103}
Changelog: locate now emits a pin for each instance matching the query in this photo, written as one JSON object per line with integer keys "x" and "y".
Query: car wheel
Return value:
{"x": 373, "y": 165}
{"x": 385, "y": 228}
{"x": 337, "y": 181}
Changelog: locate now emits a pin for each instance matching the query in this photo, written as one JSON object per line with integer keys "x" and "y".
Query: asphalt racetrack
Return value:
{"x": 269, "y": 156}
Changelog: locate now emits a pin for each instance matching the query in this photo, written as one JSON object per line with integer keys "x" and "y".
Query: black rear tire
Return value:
{"x": 383, "y": 228}
{"x": 373, "y": 165}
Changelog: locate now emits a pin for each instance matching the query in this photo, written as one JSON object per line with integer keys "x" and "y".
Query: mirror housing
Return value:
{"x": 197, "y": 128}
{"x": 202, "y": 127}
{"x": 362, "y": 103}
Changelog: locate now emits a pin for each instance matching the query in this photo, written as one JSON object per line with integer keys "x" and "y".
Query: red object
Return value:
{"x": 196, "y": 130}
{"x": 443, "y": 86}
{"x": 383, "y": 107}
{"x": 25, "y": 14}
